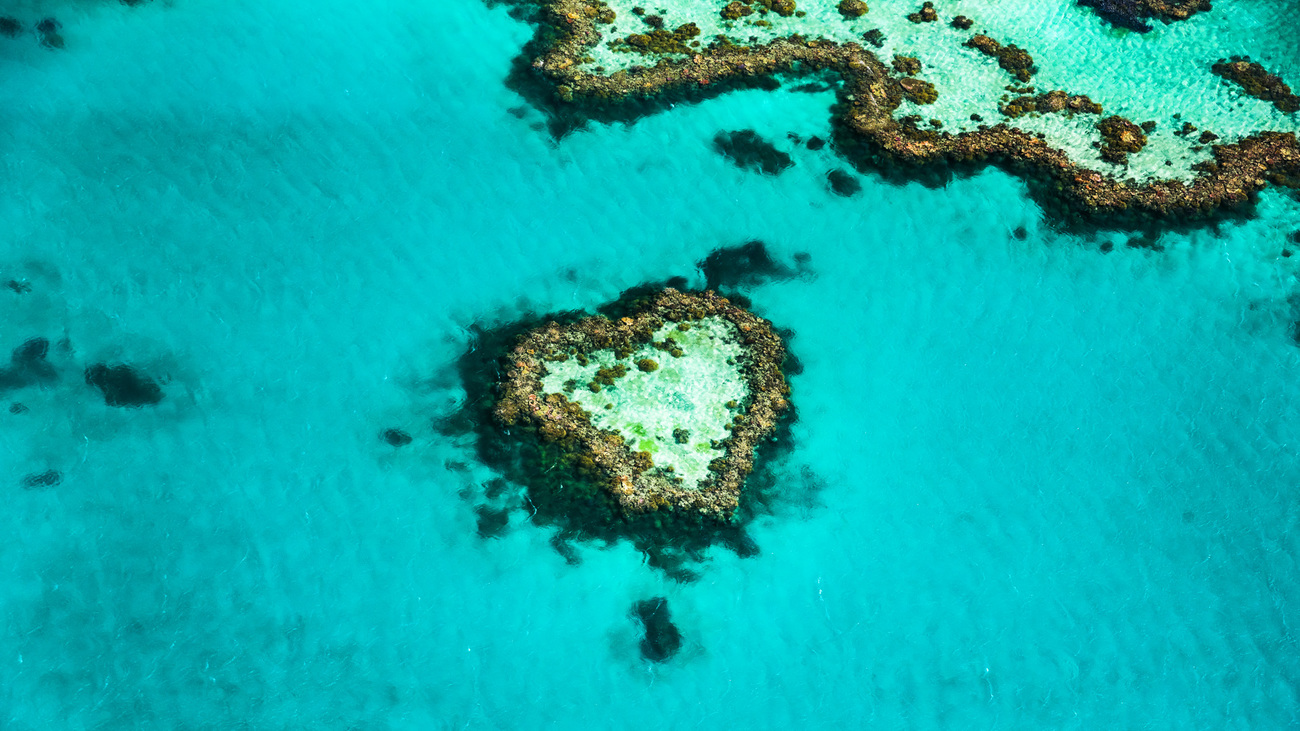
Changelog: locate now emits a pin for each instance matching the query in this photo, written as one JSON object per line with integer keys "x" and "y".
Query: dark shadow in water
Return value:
{"x": 749, "y": 265}
{"x": 42, "y": 480}
{"x": 28, "y": 366}
{"x": 123, "y": 386}
{"x": 747, "y": 150}
{"x": 549, "y": 485}
{"x": 660, "y": 638}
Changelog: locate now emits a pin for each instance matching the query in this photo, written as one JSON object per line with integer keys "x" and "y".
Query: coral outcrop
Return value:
{"x": 619, "y": 441}
{"x": 1257, "y": 82}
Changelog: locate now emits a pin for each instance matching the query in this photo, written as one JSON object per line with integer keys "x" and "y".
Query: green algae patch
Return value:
{"x": 678, "y": 436}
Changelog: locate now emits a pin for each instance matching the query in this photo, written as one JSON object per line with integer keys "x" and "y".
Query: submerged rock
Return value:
{"x": 662, "y": 639}
{"x": 42, "y": 480}
{"x": 395, "y": 437}
{"x": 10, "y": 27}
{"x": 28, "y": 366}
{"x": 1133, "y": 14}
{"x": 749, "y": 151}
{"x": 843, "y": 183}
{"x": 123, "y": 386}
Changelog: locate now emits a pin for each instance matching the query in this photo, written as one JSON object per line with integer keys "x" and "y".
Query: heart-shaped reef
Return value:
{"x": 666, "y": 403}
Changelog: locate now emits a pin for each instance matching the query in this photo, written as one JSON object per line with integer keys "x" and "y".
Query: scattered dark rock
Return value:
{"x": 749, "y": 151}
{"x": 1257, "y": 82}
{"x": 976, "y": 118}
{"x": 852, "y": 8}
{"x": 1020, "y": 233}
{"x": 17, "y": 408}
{"x": 1148, "y": 126}
{"x": 654, "y": 21}
{"x": 395, "y": 437}
{"x": 123, "y": 386}
{"x": 961, "y": 22}
{"x": 1186, "y": 129}
{"x": 926, "y": 14}
{"x": 27, "y": 366}
{"x": 1207, "y": 137}
{"x": 492, "y": 522}
{"x": 816, "y": 143}
{"x": 843, "y": 183}
{"x": 875, "y": 37}
{"x": 42, "y": 480}
{"x": 18, "y": 287}
{"x": 10, "y": 27}
{"x": 662, "y": 639}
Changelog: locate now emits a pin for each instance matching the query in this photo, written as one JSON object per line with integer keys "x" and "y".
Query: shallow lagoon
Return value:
{"x": 1035, "y": 483}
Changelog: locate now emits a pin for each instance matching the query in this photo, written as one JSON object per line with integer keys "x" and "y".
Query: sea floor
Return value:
{"x": 1041, "y": 477}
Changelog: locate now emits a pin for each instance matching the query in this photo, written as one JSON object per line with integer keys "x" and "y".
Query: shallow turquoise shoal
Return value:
{"x": 1041, "y": 478}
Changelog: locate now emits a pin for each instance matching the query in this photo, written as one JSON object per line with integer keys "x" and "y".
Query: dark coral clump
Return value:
{"x": 735, "y": 11}
{"x": 395, "y": 437}
{"x": 10, "y": 27}
{"x": 961, "y": 22}
{"x": 662, "y": 639}
{"x": 662, "y": 41}
{"x": 852, "y": 8}
{"x": 918, "y": 91}
{"x": 42, "y": 480}
{"x": 123, "y": 386}
{"x": 909, "y": 65}
{"x": 926, "y": 14}
{"x": 48, "y": 30}
{"x": 1011, "y": 57}
{"x": 1049, "y": 103}
{"x": 1257, "y": 82}
{"x": 843, "y": 183}
{"x": 1119, "y": 137}
{"x": 749, "y": 151}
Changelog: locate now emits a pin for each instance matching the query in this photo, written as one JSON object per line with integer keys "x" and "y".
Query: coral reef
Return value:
{"x": 630, "y": 471}
{"x": 852, "y": 8}
{"x": 926, "y": 14}
{"x": 871, "y": 94}
{"x": 1133, "y": 14}
{"x": 1119, "y": 137}
{"x": 1257, "y": 82}
{"x": 1049, "y": 103}
{"x": 1012, "y": 58}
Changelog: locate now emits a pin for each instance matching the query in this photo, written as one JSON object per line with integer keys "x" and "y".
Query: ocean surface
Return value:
{"x": 1042, "y": 476}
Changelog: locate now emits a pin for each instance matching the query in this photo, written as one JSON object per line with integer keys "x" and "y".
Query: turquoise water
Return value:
{"x": 1035, "y": 483}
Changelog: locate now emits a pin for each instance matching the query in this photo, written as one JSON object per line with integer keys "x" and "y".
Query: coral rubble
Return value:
{"x": 659, "y": 440}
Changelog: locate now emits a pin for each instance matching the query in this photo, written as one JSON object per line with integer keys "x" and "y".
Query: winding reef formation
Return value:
{"x": 667, "y": 403}
{"x": 872, "y": 93}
